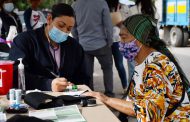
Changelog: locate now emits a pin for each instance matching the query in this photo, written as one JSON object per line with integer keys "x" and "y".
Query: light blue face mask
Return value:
{"x": 57, "y": 35}
{"x": 8, "y": 7}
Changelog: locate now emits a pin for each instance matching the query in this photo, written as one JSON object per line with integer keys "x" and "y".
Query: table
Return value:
{"x": 99, "y": 113}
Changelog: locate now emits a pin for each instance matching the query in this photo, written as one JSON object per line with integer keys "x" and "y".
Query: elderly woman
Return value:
{"x": 157, "y": 91}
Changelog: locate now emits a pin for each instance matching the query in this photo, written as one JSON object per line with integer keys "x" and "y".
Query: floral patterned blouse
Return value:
{"x": 156, "y": 83}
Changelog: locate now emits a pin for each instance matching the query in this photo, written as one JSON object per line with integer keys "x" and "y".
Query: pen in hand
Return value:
{"x": 56, "y": 76}
{"x": 58, "y": 84}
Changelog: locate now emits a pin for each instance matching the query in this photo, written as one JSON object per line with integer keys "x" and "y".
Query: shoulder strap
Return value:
{"x": 170, "y": 111}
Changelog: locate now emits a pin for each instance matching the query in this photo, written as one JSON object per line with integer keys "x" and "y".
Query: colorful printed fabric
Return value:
{"x": 157, "y": 86}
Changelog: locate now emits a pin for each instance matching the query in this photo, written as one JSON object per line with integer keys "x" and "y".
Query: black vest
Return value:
{"x": 7, "y": 21}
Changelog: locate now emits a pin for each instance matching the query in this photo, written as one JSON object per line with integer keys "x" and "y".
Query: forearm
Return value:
{"x": 123, "y": 106}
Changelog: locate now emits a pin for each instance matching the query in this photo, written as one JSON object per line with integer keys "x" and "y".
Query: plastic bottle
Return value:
{"x": 12, "y": 97}
{"x": 21, "y": 76}
{"x": 18, "y": 94}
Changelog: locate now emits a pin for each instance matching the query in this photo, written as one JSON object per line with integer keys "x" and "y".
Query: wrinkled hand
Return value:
{"x": 103, "y": 98}
{"x": 59, "y": 84}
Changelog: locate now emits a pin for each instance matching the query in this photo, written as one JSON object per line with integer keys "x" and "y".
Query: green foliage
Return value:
{"x": 47, "y": 4}
{"x": 21, "y": 4}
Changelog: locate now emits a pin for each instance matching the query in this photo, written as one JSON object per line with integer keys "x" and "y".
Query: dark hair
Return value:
{"x": 112, "y": 4}
{"x": 160, "y": 45}
{"x": 62, "y": 9}
{"x": 147, "y": 7}
{"x": 1, "y": 3}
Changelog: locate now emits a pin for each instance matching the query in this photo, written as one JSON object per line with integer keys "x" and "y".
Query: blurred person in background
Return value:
{"x": 124, "y": 8}
{"x": 94, "y": 31}
{"x": 144, "y": 7}
{"x": 118, "y": 57}
{"x": 33, "y": 17}
{"x": 7, "y": 18}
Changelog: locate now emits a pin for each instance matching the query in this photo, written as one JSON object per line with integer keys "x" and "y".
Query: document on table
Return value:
{"x": 74, "y": 93}
{"x": 59, "y": 114}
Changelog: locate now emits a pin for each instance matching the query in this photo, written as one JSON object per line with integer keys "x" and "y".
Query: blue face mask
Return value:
{"x": 129, "y": 50}
{"x": 8, "y": 7}
{"x": 57, "y": 35}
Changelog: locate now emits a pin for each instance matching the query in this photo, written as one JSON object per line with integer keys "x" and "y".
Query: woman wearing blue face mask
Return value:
{"x": 158, "y": 89}
{"x": 51, "y": 57}
{"x": 8, "y": 18}
{"x": 57, "y": 35}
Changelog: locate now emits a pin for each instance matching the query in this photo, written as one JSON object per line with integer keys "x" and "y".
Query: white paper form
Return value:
{"x": 59, "y": 114}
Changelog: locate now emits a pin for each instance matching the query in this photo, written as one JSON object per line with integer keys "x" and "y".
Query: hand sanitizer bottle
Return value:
{"x": 21, "y": 76}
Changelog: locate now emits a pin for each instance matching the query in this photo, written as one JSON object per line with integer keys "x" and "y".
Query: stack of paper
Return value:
{"x": 60, "y": 114}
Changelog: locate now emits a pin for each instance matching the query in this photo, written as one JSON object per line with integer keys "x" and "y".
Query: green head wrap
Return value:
{"x": 142, "y": 27}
